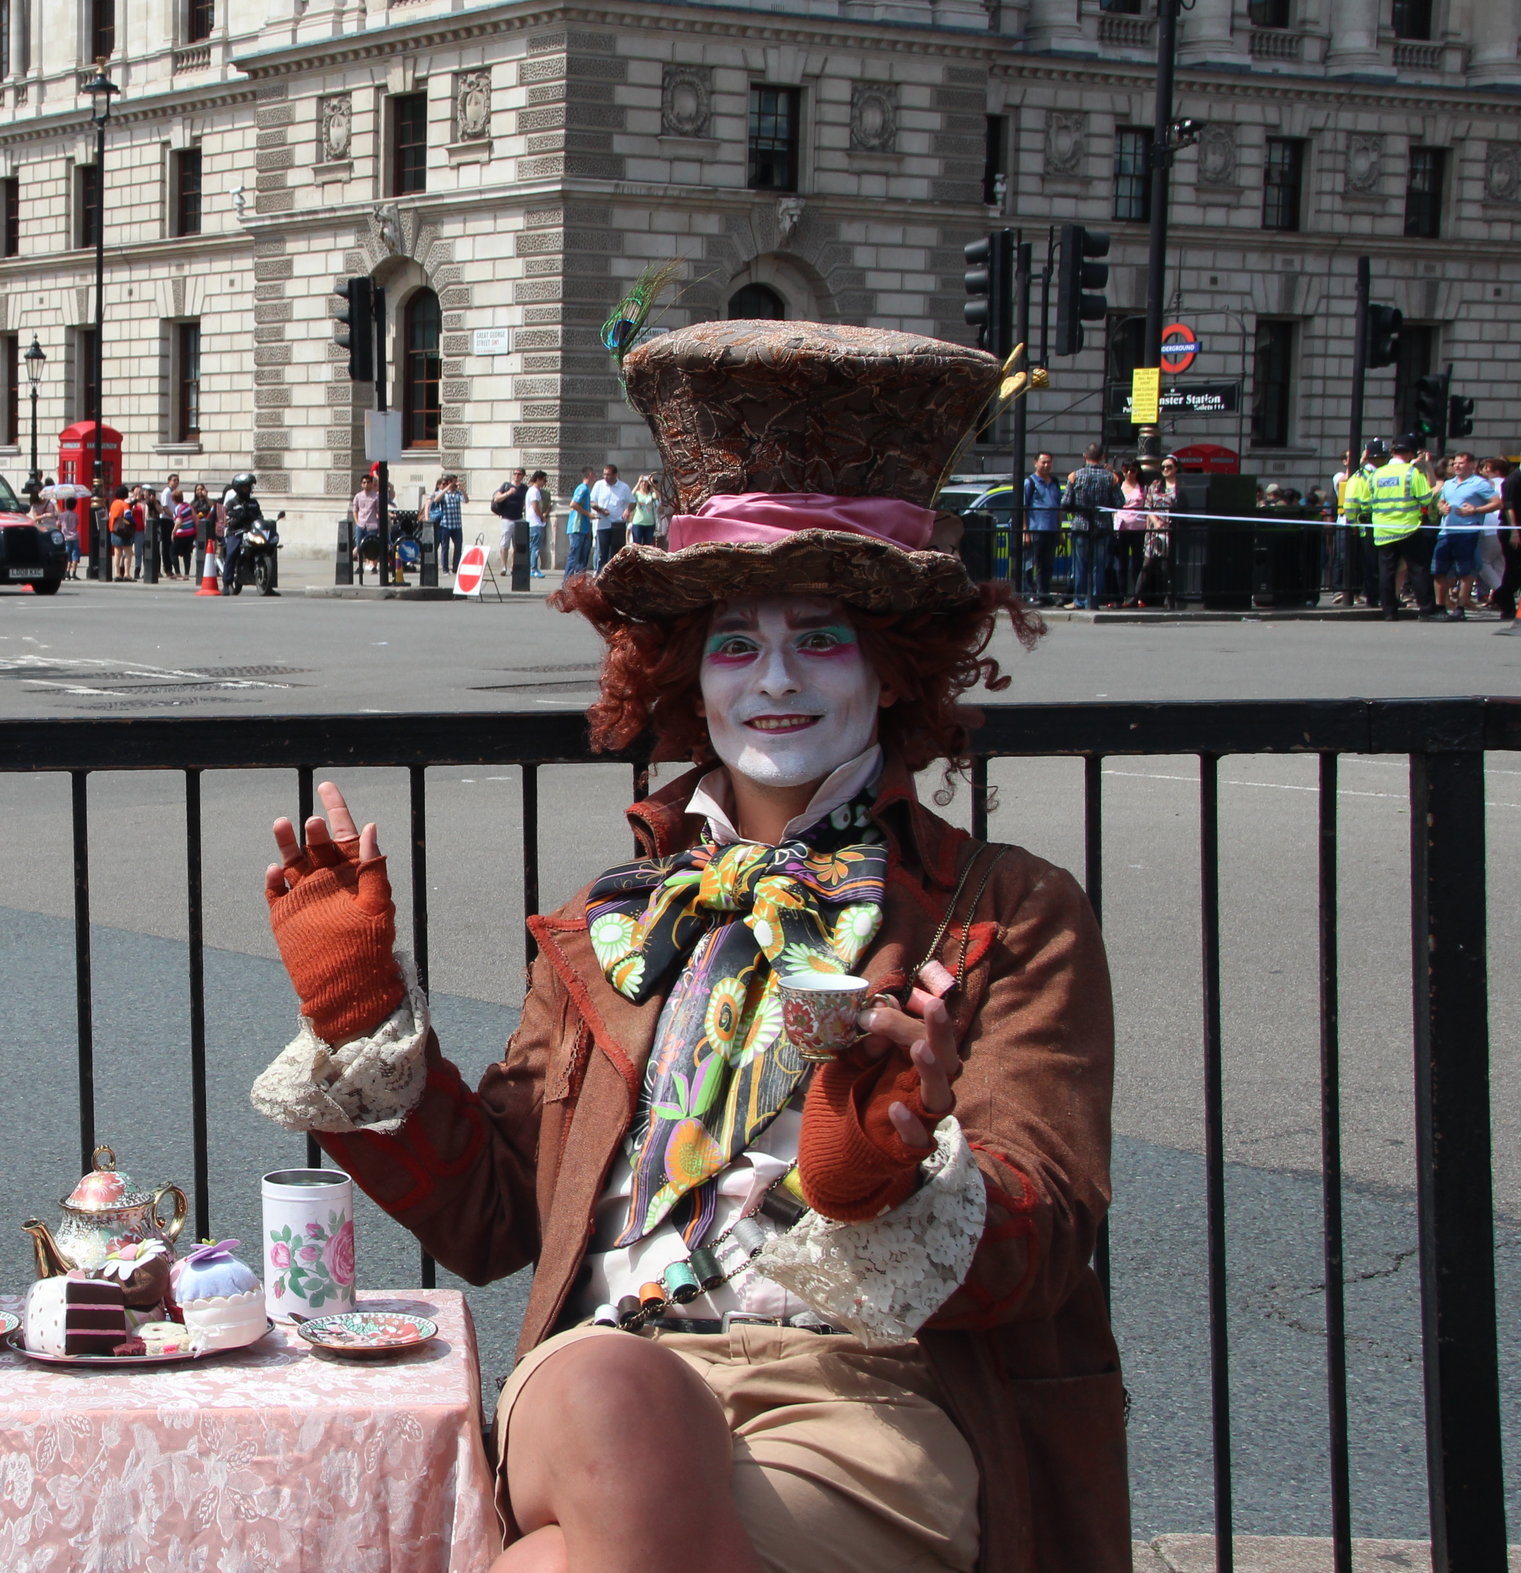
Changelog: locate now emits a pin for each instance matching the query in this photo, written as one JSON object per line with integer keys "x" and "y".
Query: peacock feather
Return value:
{"x": 632, "y": 314}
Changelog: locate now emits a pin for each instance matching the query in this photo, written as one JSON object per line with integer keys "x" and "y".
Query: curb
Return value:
{"x": 1284, "y": 1554}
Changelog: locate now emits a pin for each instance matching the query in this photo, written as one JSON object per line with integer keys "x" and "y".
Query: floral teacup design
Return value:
{"x": 819, "y": 1011}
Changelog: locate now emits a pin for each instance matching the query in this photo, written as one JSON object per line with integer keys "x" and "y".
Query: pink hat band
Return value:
{"x": 732, "y": 518}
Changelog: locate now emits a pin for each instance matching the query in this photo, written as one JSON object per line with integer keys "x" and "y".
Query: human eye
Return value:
{"x": 730, "y": 647}
{"x": 821, "y": 641}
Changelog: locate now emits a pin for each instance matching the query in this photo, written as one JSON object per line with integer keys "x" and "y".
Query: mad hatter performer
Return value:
{"x": 786, "y": 1321}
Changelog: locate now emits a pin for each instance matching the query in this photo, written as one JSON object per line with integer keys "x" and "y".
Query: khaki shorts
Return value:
{"x": 843, "y": 1458}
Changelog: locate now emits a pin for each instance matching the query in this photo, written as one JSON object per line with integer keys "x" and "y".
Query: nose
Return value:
{"x": 775, "y": 675}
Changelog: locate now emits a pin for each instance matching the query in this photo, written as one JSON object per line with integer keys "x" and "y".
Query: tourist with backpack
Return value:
{"x": 1093, "y": 498}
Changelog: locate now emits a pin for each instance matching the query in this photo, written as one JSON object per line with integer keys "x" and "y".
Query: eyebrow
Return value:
{"x": 735, "y": 622}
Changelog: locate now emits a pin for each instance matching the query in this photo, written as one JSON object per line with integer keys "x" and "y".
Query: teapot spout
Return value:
{"x": 51, "y": 1262}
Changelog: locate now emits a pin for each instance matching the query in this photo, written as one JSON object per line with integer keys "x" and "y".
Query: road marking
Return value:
{"x": 1288, "y": 786}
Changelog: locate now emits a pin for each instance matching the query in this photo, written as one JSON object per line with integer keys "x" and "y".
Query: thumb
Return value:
{"x": 373, "y": 896}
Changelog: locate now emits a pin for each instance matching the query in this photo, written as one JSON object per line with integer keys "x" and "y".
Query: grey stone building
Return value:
{"x": 506, "y": 171}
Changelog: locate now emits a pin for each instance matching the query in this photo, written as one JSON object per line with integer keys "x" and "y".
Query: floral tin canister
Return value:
{"x": 308, "y": 1243}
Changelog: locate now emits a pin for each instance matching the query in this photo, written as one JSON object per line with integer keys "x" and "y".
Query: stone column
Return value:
{"x": 1052, "y": 25}
{"x": 1496, "y": 26}
{"x": 1207, "y": 36}
{"x": 1354, "y": 38}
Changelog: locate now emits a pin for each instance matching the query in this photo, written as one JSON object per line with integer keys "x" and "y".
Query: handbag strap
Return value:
{"x": 950, "y": 912}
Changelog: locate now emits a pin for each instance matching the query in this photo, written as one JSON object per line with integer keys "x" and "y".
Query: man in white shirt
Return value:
{"x": 610, "y": 500}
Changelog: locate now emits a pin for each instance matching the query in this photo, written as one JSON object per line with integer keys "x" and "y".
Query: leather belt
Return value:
{"x": 722, "y": 1324}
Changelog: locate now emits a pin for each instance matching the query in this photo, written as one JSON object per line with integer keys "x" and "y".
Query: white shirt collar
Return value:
{"x": 713, "y": 800}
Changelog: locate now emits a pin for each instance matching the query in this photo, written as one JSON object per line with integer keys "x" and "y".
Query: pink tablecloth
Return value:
{"x": 273, "y": 1457}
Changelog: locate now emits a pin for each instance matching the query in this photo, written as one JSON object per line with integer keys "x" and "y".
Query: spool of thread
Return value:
{"x": 748, "y": 1235}
{"x": 651, "y": 1296}
{"x": 681, "y": 1282}
{"x": 709, "y": 1270}
{"x": 605, "y": 1316}
{"x": 628, "y": 1309}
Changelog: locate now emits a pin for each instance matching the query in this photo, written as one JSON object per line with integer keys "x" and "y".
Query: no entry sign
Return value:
{"x": 1179, "y": 346}
{"x": 472, "y": 569}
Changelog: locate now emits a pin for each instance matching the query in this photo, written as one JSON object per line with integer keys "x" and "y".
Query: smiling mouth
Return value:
{"x": 783, "y": 723}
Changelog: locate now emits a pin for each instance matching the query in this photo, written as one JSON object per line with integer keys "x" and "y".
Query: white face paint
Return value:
{"x": 786, "y": 690}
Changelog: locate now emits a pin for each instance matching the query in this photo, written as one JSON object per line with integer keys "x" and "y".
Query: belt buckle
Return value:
{"x": 746, "y": 1319}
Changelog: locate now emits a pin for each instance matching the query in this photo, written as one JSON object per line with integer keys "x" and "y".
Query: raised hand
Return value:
{"x": 333, "y": 918}
{"x": 924, "y": 1029}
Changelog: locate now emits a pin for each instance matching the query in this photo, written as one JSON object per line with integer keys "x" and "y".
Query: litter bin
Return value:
{"x": 978, "y": 546}
{"x": 1286, "y": 562}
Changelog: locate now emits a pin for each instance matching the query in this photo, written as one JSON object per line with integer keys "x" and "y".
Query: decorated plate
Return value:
{"x": 13, "y": 1340}
{"x": 367, "y": 1332}
{"x": 8, "y": 1324}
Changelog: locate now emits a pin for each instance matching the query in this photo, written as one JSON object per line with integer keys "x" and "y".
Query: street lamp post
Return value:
{"x": 35, "y": 361}
{"x": 101, "y": 91}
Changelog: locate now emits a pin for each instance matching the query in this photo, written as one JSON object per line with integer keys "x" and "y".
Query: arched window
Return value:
{"x": 757, "y": 303}
{"x": 421, "y": 325}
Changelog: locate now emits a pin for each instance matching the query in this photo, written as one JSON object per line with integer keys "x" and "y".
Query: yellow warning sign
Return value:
{"x": 1146, "y": 395}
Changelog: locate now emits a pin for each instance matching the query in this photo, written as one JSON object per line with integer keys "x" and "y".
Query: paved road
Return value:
{"x": 125, "y": 650}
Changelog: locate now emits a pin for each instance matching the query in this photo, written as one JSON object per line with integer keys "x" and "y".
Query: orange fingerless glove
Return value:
{"x": 336, "y": 930}
{"x": 852, "y": 1162}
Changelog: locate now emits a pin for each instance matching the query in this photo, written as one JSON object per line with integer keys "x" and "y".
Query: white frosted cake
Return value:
{"x": 75, "y": 1315}
{"x": 219, "y": 1297}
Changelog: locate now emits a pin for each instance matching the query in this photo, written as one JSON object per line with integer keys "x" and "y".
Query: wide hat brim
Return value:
{"x": 870, "y": 574}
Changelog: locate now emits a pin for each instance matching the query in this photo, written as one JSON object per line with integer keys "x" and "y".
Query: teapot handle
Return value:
{"x": 170, "y": 1230}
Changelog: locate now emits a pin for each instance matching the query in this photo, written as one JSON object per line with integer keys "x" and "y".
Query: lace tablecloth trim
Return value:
{"x": 372, "y": 1083}
{"x": 884, "y": 1279}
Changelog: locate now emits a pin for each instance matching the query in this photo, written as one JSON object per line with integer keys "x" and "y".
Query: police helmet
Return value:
{"x": 1378, "y": 450}
{"x": 1409, "y": 443}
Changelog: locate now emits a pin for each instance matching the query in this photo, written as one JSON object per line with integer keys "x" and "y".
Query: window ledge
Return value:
{"x": 337, "y": 169}
{"x": 476, "y": 151}
{"x": 178, "y": 447}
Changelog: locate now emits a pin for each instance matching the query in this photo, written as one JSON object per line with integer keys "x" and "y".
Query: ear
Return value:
{"x": 887, "y": 697}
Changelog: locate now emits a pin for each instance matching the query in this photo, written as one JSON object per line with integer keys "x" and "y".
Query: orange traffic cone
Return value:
{"x": 209, "y": 585}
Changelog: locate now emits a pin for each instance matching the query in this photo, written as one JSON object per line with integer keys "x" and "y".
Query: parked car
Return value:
{"x": 986, "y": 505}
{"x": 31, "y": 551}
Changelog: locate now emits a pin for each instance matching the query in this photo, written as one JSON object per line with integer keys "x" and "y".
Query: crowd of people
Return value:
{"x": 1437, "y": 536}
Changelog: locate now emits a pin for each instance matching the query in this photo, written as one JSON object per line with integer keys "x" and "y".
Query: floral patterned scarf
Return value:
{"x": 726, "y": 921}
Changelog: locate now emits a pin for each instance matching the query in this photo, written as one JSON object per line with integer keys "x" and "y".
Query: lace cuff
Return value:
{"x": 884, "y": 1279}
{"x": 372, "y": 1083}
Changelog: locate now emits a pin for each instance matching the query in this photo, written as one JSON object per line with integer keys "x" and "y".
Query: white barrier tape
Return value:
{"x": 1267, "y": 520}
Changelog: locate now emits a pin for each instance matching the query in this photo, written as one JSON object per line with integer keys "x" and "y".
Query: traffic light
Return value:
{"x": 1459, "y": 416}
{"x": 1430, "y": 405}
{"x": 989, "y": 282}
{"x": 1384, "y": 324}
{"x": 1078, "y": 272}
{"x": 358, "y": 315}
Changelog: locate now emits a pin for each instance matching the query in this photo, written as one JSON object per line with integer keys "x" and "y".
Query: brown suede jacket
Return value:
{"x": 494, "y": 1179}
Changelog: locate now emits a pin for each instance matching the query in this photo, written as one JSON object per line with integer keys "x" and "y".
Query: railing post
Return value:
{"x": 1455, "y": 1192}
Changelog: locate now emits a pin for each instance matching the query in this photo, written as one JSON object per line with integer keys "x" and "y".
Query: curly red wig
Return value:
{"x": 650, "y": 674}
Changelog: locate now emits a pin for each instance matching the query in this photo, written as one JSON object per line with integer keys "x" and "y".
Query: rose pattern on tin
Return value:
{"x": 313, "y": 1263}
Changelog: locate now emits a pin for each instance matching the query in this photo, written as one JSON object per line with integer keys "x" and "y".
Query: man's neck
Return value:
{"x": 761, "y": 812}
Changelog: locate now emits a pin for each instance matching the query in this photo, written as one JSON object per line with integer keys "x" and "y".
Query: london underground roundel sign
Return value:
{"x": 1179, "y": 346}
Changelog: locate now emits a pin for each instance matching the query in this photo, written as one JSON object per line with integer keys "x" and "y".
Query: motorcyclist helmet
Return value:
{"x": 244, "y": 482}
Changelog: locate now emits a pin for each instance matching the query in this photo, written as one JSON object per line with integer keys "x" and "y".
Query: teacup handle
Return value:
{"x": 170, "y": 1230}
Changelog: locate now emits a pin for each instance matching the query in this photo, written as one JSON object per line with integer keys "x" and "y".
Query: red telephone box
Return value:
{"x": 76, "y": 462}
{"x": 1207, "y": 458}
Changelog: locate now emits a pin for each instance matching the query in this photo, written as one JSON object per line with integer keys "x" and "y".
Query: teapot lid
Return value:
{"x": 105, "y": 1187}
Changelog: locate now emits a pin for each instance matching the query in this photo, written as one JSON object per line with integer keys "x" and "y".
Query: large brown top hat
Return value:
{"x": 806, "y": 457}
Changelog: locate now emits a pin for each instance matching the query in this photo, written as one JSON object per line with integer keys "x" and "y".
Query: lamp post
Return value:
{"x": 101, "y": 91}
{"x": 35, "y": 361}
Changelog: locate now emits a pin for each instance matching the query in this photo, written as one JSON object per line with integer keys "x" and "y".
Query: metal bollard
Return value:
{"x": 343, "y": 571}
{"x": 520, "y": 554}
{"x": 427, "y": 569}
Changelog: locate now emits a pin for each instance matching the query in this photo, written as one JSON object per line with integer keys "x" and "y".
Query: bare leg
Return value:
{"x": 617, "y": 1453}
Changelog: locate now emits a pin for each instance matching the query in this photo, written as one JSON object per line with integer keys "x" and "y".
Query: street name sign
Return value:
{"x": 1184, "y": 398}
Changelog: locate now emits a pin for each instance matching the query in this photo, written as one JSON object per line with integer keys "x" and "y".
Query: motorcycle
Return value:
{"x": 256, "y": 561}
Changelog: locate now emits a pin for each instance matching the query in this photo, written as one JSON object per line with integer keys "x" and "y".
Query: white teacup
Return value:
{"x": 819, "y": 1011}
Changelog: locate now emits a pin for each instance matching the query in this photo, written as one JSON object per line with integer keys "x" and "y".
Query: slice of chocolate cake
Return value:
{"x": 75, "y": 1315}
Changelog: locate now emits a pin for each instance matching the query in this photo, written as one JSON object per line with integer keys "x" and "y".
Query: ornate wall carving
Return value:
{"x": 1066, "y": 141}
{"x": 1502, "y": 172}
{"x": 336, "y": 122}
{"x": 686, "y": 101}
{"x": 1217, "y": 155}
{"x": 874, "y": 117}
{"x": 1365, "y": 157}
{"x": 472, "y": 105}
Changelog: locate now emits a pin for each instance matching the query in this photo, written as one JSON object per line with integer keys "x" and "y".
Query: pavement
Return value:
{"x": 133, "y": 651}
{"x": 1285, "y": 1554}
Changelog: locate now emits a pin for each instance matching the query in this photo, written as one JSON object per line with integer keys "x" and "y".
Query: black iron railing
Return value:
{"x": 1445, "y": 741}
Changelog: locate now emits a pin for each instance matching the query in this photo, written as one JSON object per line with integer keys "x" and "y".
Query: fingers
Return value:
{"x": 910, "y": 1128}
{"x": 286, "y": 843}
{"x": 344, "y": 828}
